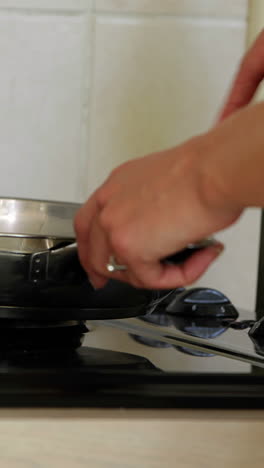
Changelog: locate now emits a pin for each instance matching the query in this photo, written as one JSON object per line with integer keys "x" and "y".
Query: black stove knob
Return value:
{"x": 202, "y": 302}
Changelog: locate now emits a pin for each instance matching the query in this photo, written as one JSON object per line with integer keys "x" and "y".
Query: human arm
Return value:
{"x": 154, "y": 206}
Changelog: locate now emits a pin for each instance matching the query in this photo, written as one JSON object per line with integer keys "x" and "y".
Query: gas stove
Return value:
{"x": 192, "y": 348}
{"x": 62, "y": 343}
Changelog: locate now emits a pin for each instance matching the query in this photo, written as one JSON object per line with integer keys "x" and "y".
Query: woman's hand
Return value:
{"x": 148, "y": 209}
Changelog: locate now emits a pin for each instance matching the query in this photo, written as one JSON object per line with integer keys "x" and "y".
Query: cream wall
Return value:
{"x": 161, "y": 70}
{"x": 255, "y": 18}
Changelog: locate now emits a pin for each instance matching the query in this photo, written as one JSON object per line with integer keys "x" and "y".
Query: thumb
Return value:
{"x": 247, "y": 80}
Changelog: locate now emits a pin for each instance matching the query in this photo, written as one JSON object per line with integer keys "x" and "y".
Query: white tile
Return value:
{"x": 156, "y": 82}
{"x": 42, "y": 105}
{"x": 226, "y": 8}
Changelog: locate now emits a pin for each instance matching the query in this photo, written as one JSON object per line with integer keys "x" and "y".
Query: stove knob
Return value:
{"x": 202, "y": 302}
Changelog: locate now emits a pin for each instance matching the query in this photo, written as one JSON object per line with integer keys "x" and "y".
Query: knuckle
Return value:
{"x": 111, "y": 185}
{"x": 101, "y": 195}
{"x": 121, "y": 242}
{"x": 105, "y": 220}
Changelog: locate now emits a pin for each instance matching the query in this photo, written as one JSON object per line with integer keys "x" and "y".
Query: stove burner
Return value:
{"x": 157, "y": 318}
{"x": 150, "y": 342}
{"x": 202, "y": 302}
{"x": 18, "y": 336}
{"x": 200, "y": 312}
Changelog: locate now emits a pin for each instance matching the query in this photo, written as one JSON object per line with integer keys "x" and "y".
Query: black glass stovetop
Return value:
{"x": 193, "y": 349}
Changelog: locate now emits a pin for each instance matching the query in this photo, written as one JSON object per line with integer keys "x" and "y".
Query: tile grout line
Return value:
{"x": 116, "y": 16}
{"x": 168, "y": 16}
{"x": 83, "y": 193}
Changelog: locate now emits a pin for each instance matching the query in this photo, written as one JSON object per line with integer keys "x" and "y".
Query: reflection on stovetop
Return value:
{"x": 200, "y": 314}
{"x": 168, "y": 359}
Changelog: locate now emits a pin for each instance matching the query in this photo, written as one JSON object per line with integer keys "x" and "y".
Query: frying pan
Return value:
{"x": 40, "y": 273}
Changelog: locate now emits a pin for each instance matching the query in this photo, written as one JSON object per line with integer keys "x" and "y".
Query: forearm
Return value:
{"x": 232, "y": 160}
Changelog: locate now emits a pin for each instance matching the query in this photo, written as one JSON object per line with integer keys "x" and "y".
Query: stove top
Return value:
{"x": 192, "y": 349}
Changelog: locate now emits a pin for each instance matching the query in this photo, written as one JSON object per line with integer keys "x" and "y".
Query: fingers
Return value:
{"x": 249, "y": 76}
{"x": 127, "y": 225}
{"x": 96, "y": 248}
{"x": 160, "y": 276}
{"x": 96, "y": 255}
{"x": 83, "y": 227}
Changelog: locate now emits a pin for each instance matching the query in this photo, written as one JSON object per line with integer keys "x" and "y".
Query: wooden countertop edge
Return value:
{"x": 119, "y": 414}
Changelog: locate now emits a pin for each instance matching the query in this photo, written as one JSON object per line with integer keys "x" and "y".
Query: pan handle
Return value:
{"x": 183, "y": 255}
{"x": 59, "y": 265}
{"x": 62, "y": 264}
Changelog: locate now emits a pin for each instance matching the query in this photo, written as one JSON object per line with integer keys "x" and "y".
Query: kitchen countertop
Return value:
{"x": 131, "y": 438}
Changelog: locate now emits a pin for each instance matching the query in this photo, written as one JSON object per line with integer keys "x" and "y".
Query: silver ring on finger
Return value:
{"x": 113, "y": 266}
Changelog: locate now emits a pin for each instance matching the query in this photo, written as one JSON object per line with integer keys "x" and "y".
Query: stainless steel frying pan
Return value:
{"x": 35, "y": 222}
{"x": 40, "y": 274}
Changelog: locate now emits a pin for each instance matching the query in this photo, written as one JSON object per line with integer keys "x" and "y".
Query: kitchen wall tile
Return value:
{"x": 156, "y": 82}
{"x": 43, "y": 99}
{"x": 224, "y": 8}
